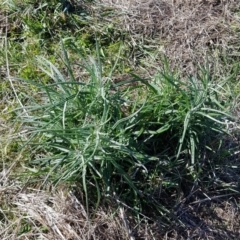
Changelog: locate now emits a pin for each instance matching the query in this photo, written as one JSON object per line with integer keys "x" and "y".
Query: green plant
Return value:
{"x": 97, "y": 133}
{"x": 154, "y": 146}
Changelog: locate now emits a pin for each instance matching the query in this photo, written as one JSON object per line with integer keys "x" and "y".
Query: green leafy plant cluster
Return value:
{"x": 135, "y": 140}
{"x": 88, "y": 118}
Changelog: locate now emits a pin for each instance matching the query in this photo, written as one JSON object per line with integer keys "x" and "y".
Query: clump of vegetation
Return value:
{"x": 115, "y": 122}
{"x": 136, "y": 141}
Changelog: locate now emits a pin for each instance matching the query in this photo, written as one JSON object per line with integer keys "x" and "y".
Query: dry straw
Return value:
{"x": 184, "y": 30}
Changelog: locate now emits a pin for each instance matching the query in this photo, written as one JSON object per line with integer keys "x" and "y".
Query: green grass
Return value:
{"x": 134, "y": 140}
{"x": 147, "y": 141}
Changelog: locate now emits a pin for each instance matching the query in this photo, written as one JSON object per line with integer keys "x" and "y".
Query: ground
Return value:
{"x": 184, "y": 31}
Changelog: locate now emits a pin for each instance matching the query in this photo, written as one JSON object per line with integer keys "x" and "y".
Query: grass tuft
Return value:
{"x": 135, "y": 141}
{"x": 119, "y": 120}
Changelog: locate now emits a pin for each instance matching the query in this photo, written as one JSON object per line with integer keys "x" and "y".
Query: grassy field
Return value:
{"x": 119, "y": 119}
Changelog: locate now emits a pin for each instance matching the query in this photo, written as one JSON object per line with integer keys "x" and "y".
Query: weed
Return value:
{"x": 156, "y": 144}
{"x": 102, "y": 112}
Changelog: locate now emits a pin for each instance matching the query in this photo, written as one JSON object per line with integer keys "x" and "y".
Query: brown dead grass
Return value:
{"x": 187, "y": 32}
{"x": 28, "y": 213}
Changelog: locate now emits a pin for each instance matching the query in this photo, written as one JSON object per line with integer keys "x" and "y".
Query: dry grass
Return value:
{"x": 28, "y": 213}
{"x": 188, "y": 32}
{"x": 31, "y": 213}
